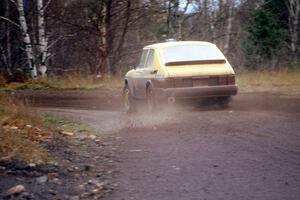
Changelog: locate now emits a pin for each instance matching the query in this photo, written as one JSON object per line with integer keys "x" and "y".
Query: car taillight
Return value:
{"x": 226, "y": 80}
{"x": 230, "y": 80}
{"x": 183, "y": 82}
{"x": 163, "y": 83}
{"x": 223, "y": 80}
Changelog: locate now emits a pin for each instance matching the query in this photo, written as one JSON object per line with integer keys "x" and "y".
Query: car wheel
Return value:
{"x": 224, "y": 101}
{"x": 151, "y": 102}
{"x": 128, "y": 101}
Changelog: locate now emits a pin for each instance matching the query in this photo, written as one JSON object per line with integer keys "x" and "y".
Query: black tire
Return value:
{"x": 224, "y": 101}
{"x": 151, "y": 101}
{"x": 129, "y": 103}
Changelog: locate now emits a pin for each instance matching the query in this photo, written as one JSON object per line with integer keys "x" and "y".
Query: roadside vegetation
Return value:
{"x": 284, "y": 80}
{"x": 24, "y": 134}
{"x": 65, "y": 127}
{"x": 281, "y": 81}
{"x": 63, "y": 82}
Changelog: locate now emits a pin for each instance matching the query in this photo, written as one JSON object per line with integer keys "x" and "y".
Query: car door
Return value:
{"x": 145, "y": 72}
{"x": 148, "y": 72}
{"x": 138, "y": 75}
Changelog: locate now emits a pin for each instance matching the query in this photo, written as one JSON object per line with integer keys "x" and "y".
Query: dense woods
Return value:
{"x": 105, "y": 37}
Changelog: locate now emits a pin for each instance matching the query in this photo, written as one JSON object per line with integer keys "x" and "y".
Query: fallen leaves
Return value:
{"x": 22, "y": 132}
{"x": 33, "y": 133}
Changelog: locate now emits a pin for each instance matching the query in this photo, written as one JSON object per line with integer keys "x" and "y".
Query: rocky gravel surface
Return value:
{"x": 184, "y": 152}
{"x": 80, "y": 168}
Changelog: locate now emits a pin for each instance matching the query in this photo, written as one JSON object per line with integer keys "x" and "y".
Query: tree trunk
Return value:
{"x": 205, "y": 16}
{"x": 221, "y": 27}
{"x": 181, "y": 20}
{"x": 8, "y": 43}
{"x": 104, "y": 67}
{"x": 172, "y": 20}
{"x": 212, "y": 18}
{"x": 26, "y": 39}
{"x": 43, "y": 44}
{"x": 123, "y": 35}
{"x": 136, "y": 16}
{"x": 294, "y": 12}
{"x": 230, "y": 5}
{"x": 169, "y": 21}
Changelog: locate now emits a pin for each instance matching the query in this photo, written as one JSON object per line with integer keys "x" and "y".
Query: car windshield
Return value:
{"x": 188, "y": 53}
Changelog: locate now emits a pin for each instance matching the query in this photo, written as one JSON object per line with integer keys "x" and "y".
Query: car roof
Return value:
{"x": 178, "y": 43}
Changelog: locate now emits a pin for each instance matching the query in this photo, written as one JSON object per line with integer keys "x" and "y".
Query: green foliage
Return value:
{"x": 267, "y": 34}
{"x": 293, "y": 66}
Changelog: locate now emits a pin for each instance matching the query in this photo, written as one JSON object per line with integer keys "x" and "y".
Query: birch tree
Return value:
{"x": 26, "y": 39}
{"x": 5, "y": 31}
{"x": 230, "y": 5}
{"x": 43, "y": 44}
{"x": 294, "y": 14}
{"x": 104, "y": 64}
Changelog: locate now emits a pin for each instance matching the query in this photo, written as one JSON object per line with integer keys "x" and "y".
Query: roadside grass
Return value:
{"x": 74, "y": 81}
{"x": 281, "y": 81}
{"x": 60, "y": 124}
{"x": 24, "y": 133}
{"x": 21, "y": 132}
{"x": 84, "y": 82}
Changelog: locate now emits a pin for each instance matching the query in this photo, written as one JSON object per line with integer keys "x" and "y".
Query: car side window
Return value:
{"x": 150, "y": 60}
{"x": 143, "y": 59}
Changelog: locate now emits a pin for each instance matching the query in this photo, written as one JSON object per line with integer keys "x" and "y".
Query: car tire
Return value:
{"x": 224, "y": 101}
{"x": 129, "y": 103}
{"x": 150, "y": 98}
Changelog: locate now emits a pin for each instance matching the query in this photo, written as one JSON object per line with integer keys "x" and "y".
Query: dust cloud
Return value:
{"x": 145, "y": 119}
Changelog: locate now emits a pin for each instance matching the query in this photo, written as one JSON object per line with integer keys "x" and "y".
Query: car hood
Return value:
{"x": 199, "y": 70}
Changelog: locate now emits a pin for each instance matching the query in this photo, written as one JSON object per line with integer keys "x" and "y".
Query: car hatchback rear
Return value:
{"x": 195, "y": 69}
{"x": 180, "y": 70}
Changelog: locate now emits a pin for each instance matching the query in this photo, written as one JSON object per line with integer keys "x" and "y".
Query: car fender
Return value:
{"x": 149, "y": 82}
{"x": 128, "y": 82}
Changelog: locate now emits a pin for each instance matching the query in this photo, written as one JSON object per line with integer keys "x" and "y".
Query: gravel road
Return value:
{"x": 249, "y": 151}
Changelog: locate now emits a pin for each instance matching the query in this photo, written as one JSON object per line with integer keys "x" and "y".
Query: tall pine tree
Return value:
{"x": 267, "y": 35}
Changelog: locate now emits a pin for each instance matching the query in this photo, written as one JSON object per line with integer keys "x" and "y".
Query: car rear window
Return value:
{"x": 191, "y": 53}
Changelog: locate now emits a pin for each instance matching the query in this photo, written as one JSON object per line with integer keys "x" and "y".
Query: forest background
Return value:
{"x": 105, "y": 37}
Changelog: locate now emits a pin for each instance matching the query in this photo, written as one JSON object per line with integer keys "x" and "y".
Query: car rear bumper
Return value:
{"x": 197, "y": 92}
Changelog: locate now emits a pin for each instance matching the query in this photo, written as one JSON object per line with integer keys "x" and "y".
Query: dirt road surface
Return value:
{"x": 249, "y": 151}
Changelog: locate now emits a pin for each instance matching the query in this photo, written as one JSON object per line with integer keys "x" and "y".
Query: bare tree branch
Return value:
{"x": 46, "y": 5}
{"x": 10, "y": 21}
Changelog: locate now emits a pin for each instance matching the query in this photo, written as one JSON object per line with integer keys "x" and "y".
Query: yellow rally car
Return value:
{"x": 183, "y": 69}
